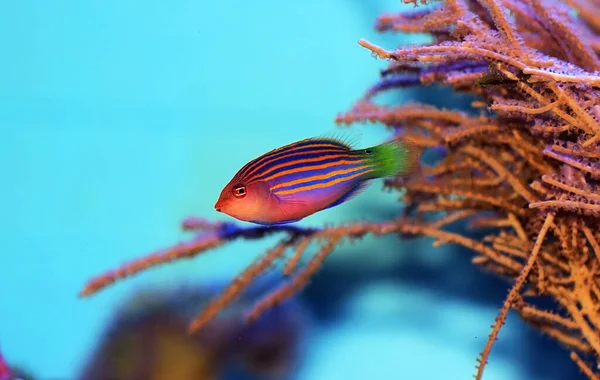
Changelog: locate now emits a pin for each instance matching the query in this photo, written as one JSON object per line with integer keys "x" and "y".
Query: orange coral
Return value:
{"x": 529, "y": 167}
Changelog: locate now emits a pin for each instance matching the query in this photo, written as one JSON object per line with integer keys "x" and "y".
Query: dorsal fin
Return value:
{"x": 350, "y": 139}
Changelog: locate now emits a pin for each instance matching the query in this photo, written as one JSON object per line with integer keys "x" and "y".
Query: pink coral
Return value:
{"x": 5, "y": 372}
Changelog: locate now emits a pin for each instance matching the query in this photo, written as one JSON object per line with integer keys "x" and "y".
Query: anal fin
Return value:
{"x": 353, "y": 192}
{"x": 274, "y": 224}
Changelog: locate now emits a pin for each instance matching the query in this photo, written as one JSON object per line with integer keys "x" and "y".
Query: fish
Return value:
{"x": 290, "y": 183}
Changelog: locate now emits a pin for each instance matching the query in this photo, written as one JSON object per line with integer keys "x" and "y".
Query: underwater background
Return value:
{"x": 120, "y": 118}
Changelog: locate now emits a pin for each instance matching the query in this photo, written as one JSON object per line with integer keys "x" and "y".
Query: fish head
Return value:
{"x": 244, "y": 201}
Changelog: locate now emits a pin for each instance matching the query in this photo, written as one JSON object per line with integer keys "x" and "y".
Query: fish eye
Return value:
{"x": 368, "y": 151}
{"x": 239, "y": 191}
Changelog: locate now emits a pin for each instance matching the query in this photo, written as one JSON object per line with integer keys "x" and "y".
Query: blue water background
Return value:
{"x": 120, "y": 118}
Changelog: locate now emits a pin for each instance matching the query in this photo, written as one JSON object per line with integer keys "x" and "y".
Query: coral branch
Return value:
{"x": 512, "y": 295}
{"x": 215, "y": 235}
{"x": 237, "y": 286}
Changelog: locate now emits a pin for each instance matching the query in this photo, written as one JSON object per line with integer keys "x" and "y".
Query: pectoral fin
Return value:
{"x": 289, "y": 205}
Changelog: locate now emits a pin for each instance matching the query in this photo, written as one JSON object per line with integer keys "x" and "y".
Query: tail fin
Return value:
{"x": 396, "y": 157}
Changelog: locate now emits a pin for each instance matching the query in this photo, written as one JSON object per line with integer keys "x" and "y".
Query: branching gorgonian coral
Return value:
{"x": 528, "y": 165}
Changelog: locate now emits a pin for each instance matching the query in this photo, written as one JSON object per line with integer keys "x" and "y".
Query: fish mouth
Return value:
{"x": 218, "y": 207}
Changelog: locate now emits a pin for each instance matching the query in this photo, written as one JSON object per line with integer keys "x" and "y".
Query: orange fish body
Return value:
{"x": 302, "y": 178}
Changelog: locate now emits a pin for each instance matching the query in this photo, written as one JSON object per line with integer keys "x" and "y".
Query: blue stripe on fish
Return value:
{"x": 324, "y": 180}
{"x": 310, "y": 163}
{"x": 262, "y": 164}
{"x": 308, "y": 145}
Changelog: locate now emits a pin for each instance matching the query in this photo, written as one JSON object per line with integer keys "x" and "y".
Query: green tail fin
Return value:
{"x": 397, "y": 157}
